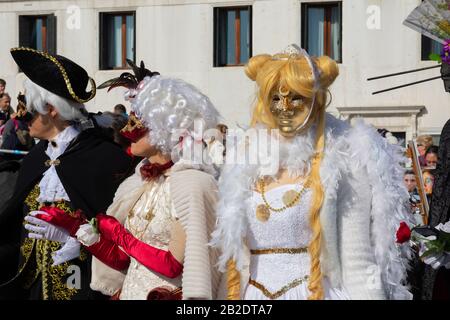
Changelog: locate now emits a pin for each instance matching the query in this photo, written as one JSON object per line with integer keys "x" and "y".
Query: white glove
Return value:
{"x": 69, "y": 251}
{"x": 435, "y": 260}
{"x": 40, "y": 229}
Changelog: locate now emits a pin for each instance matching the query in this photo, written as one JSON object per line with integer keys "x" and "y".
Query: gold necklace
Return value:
{"x": 148, "y": 216}
{"x": 290, "y": 199}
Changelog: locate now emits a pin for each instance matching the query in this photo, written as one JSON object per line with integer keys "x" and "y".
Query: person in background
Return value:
{"x": 410, "y": 181}
{"x": 216, "y": 145}
{"x": 112, "y": 125}
{"x": 431, "y": 156}
{"x": 2, "y": 86}
{"x": 423, "y": 143}
{"x": 5, "y": 108}
{"x": 15, "y": 133}
{"x": 120, "y": 109}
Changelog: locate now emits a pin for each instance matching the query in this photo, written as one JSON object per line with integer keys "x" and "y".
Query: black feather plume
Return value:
{"x": 127, "y": 79}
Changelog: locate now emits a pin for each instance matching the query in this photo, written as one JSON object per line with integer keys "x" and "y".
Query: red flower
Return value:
{"x": 403, "y": 233}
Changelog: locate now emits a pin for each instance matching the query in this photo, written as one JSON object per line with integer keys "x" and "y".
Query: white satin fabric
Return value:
{"x": 150, "y": 220}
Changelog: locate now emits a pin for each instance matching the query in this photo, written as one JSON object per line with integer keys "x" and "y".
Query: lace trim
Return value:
{"x": 51, "y": 188}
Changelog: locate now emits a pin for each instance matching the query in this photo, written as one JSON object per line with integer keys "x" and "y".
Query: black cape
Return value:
{"x": 436, "y": 283}
{"x": 91, "y": 169}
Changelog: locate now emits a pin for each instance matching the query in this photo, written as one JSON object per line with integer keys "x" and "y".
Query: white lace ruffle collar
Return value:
{"x": 51, "y": 188}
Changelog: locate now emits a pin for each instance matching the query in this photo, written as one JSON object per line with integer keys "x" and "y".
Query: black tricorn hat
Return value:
{"x": 57, "y": 74}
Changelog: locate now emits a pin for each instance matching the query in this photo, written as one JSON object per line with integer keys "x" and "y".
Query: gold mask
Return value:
{"x": 291, "y": 111}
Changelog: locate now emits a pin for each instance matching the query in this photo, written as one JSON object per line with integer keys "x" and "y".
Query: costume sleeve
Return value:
{"x": 360, "y": 272}
{"x": 110, "y": 254}
{"x": 177, "y": 242}
{"x": 155, "y": 259}
{"x": 377, "y": 177}
{"x": 194, "y": 195}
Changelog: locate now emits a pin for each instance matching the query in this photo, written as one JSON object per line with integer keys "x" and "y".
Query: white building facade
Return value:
{"x": 190, "y": 39}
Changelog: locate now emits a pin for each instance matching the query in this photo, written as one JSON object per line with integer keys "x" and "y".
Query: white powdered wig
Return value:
{"x": 169, "y": 107}
{"x": 38, "y": 98}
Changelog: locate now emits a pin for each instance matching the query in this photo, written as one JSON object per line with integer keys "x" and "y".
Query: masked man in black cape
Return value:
{"x": 436, "y": 283}
{"x": 75, "y": 166}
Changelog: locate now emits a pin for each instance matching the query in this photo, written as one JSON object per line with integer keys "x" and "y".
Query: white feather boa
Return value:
{"x": 348, "y": 149}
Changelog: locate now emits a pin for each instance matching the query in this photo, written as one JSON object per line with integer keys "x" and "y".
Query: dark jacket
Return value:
{"x": 91, "y": 169}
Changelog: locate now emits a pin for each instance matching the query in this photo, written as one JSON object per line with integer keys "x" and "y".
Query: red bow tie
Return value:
{"x": 152, "y": 170}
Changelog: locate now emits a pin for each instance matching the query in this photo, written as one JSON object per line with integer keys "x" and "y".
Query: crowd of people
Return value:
{"x": 152, "y": 203}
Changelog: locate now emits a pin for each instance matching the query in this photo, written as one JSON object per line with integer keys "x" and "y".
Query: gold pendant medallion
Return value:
{"x": 289, "y": 197}
{"x": 262, "y": 213}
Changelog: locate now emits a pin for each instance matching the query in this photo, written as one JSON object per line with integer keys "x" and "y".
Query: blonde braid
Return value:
{"x": 315, "y": 280}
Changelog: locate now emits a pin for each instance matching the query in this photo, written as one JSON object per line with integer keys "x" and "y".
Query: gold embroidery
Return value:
{"x": 63, "y": 73}
{"x": 54, "y": 284}
{"x": 31, "y": 200}
{"x": 64, "y": 205}
{"x": 279, "y": 250}
{"x": 27, "y": 247}
{"x": 41, "y": 258}
{"x": 280, "y": 292}
{"x": 83, "y": 254}
{"x": 58, "y": 275}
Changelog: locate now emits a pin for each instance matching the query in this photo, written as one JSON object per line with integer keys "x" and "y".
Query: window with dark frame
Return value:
{"x": 232, "y": 36}
{"x": 322, "y": 29}
{"x": 117, "y": 39}
{"x": 38, "y": 32}
{"x": 430, "y": 46}
{"x": 401, "y": 137}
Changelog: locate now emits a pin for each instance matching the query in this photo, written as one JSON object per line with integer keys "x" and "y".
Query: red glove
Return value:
{"x": 110, "y": 254}
{"x": 62, "y": 219}
{"x": 105, "y": 250}
{"x": 155, "y": 259}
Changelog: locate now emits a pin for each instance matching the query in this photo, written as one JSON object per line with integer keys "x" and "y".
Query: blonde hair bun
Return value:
{"x": 329, "y": 70}
{"x": 255, "y": 64}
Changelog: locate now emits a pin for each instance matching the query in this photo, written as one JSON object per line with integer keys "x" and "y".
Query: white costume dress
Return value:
{"x": 150, "y": 221}
{"x": 275, "y": 271}
{"x": 364, "y": 203}
{"x": 183, "y": 193}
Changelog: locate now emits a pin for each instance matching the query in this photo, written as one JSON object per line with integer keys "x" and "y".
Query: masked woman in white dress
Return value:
{"x": 320, "y": 221}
